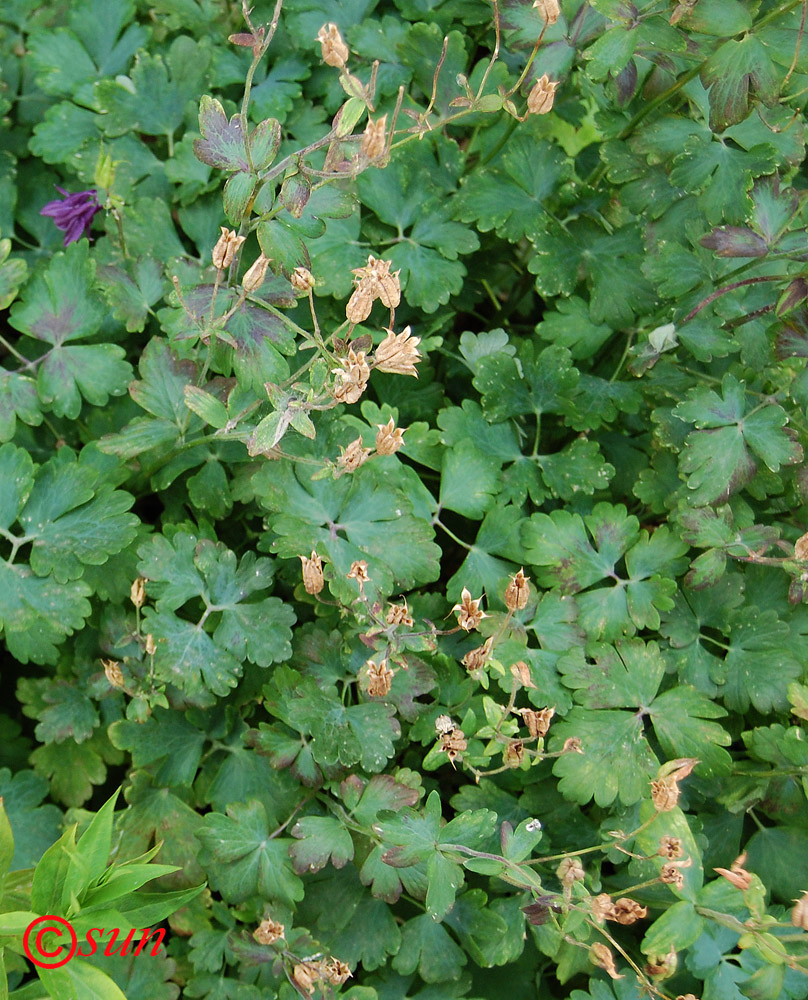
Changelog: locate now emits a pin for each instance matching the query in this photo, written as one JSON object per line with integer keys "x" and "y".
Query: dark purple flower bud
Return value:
{"x": 73, "y": 214}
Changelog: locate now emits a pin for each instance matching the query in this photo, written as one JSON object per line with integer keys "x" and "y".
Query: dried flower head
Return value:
{"x": 670, "y": 847}
{"x": 548, "y": 9}
{"x": 537, "y": 722}
{"x": 398, "y": 354}
{"x": 151, "y": 646}
{"x": 601, "y": 956}
{"x": 352, "y": 378}
{"x": 570, "y": 870}
{"x": 627, "y": 911}
{"x": 73, "y": 213}
{"x": 517, "y": 592}
{"x": 336, "y": 972}
{"x": 513, "y": 754}
{"x": 268, "y": 932}
{"x": 389, "y": 438}
{"x": 352, "y": 457}
{"x": 379, "y": 678}
{"x": 444, "y": 724}
{"x": 469, "y": 615}
{"x": 399, "y": 614}
{"x": 687, "y": 996}
{"x": 254, "y": 277}
{"x": 112, "y": 670}
{"x": 801, "y": 547}
{"x": 521, "y": 671}
{"x": 359, "y": 572}
{"x": 312, "y": 573}
{"x": 226, "y": 247}
{"x": 453, "y": 743}
{"x": 476, "y": 659}
{"x": 663, "y": 966}
{"x": 737, "y": 874}
{"x": 334, "y": 50}
{"x": 541, "y": 98}
{"x": 305, "y": 975}
{"x": 572, "y": 745}
{"x": 374, "y": 138}
{"x": 799, "y": 915}
{"x": 137, "y": 592}
{"x": 302, "y": 280}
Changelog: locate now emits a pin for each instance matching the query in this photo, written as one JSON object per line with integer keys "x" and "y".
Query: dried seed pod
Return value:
{"x": 541, "y": 98}
{"x": 352, "y": 457}
{"x": 476, "y": 659}
{"x": 225, "y": 249}
{"x": 399, "y": 614}
{"x": 799, "y": 915}
{"x": 302, "y": 280}
{"x": 469, "y": 613}
{"x": 517, "y": 592}
{"x": 336, "y": 972}
{"x": 380, "y": 678}
{"x": 548, "y": 9}
{"x": 254, "y": 277}
{"x": 137, "y": 592}
{"x": 601, "y": 956}
{"x": 268, "y": 932}
{"x": 572, "y": 745}
{"x": 801, "y": 547}
{"x": 359, "y": 572}
{"x": 374, "y": 138}
{"x": 305, "y": 975}
{"x": 444, "y": 724}
{"x": 570, "y": 870}
{"x": 397, "y": 354}
{"x": 352, "y": 378}
{"x": 334, "y": 50}
{"x": 627, "y": 911}
{"x": 521, "y": 671}
{"x": 537, "y": 722}
{"x": 312, "y": 573}
{"x": 670, "y": 847}
{"x": 453, "y": 743}
{"x": 359, "y": 304}
{"x": 670, "y": 874}
{"x": 513, "y": 754}
{"x": 737, "y": 874}
{"x": 151, "y": 646}
{"x": 112, "y": 670}
{"x": 389, "y": 438}
{"x": 663, "y": 966}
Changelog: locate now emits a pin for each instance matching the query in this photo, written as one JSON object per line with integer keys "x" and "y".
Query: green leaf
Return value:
{"x": 734, "y": 74}
{"x": 509, "y": 195}
{"x": 187, "y": 655}
{"x": 153, "y": 97}
{"x": 469, "y": 480}
{"x": 241, "y": 859}
{"x": 378, "y": 522}
{"x": 78, "y": 980}
{"x": 38, "y": 614}
{"x": 560, "y": 542}
{"x": 34, "y": 826}
{"x": 428, "y": 948}
{"x": 320, "y": 839}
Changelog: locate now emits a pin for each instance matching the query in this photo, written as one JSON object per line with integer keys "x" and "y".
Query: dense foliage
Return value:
{"x": 509, "y": 705}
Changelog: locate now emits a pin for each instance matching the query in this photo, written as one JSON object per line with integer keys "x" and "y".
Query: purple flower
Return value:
{"x": 73, "y": 214}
